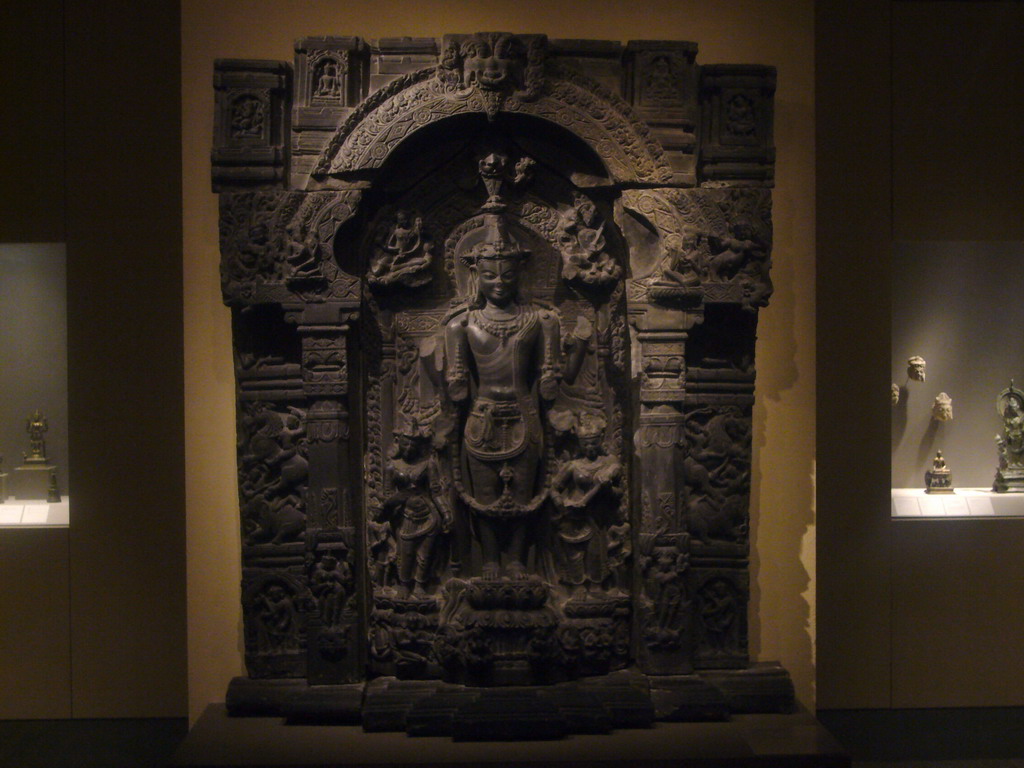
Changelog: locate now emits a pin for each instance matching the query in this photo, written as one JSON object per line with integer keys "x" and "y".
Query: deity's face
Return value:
{"x": 591, "y": 446}
{"x": 916, "y": 368}
{"x": 405, "y": 446}
{"x": 498, "y": 280}
{"x": 665, "y": 560}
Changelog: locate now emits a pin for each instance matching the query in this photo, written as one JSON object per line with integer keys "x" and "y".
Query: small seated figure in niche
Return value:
{"x": 916, "y": 368}
{"x": 328, "y": 85}
{"x": 404, "y": 256}
{"x": 414, "y": 515}
{"x": 584, "y": 258}
{"x": 682, "y": 268}
{"x": 661, "y": 83}
{"x": 330, "y": 584}
{"x": 586, "y": 489}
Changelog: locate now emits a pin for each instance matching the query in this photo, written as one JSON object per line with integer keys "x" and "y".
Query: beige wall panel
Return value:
{"x": 35, "y": 642}
{"x": 958, "y": 97}
{"x": 779, "y": 33}
{"x": 958, "y": 613}
{"x": 853, "y": 336}
{"x": 125, "y": 361}
{"x": 32, "y": 123}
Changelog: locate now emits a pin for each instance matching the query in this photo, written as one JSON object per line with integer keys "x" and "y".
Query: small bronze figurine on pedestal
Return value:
{"x": 36, "y": 478}
{"x": 36, "y": 426}
{"x": 1010, "y": 474}
{"x": 52, "y": 489}
{"x": 938, "y": 479}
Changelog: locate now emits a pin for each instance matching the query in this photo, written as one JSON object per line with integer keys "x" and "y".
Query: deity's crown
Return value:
{"x": 410, "y": 427}
{"x": 497, "y": 243}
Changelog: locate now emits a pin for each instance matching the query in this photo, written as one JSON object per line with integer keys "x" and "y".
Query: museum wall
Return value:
{"x": 780, "y": 34}
{"x": 94, "y": 614}
{"x": 914, "y": 144}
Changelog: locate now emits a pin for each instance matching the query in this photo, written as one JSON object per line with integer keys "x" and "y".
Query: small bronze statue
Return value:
{"x": 1010, "y": 474}
{"x": 36, "y": 426}
{"x": 938, "y": 479}
{"x": 52, "y": 489}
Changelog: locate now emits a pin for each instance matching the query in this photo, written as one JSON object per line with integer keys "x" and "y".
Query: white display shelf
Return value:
{"x": 915, "y": 504}
{"x": 20, "y": 514}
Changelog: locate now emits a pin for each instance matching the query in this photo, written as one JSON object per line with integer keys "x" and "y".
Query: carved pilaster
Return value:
{"x": 664, "y": 626}
{"x": 664, "y": 619}
{"x": 334, "y": 648}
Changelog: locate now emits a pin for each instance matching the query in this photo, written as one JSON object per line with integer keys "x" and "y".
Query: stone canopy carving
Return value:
{"x": 494, "y": 301}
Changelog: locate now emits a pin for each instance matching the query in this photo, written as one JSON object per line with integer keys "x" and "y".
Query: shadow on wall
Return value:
{"x": 782, "y": 490}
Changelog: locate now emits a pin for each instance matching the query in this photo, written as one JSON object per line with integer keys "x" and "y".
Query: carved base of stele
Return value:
{"x": 764, "y": 687}
{"x": 1009, "y": 480}
{"x": 621, "y": 699}
{"x": 430, "y": 708}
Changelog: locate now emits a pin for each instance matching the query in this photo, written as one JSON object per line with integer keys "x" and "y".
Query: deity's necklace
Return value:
{"x": 504, "y": 327}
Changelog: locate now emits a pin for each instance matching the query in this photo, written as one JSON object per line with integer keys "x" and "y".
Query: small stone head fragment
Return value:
{"x": 895, "y": 394}
{"x": 915, "y": 368}
{"x": 942, "y": 408}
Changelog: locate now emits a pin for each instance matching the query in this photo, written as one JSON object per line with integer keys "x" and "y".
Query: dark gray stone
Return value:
{"x": 254, "y": 697}
{"x": 763, "y": 687}
{"x": 495, "y": 301}
{"x": 687, "y": 698}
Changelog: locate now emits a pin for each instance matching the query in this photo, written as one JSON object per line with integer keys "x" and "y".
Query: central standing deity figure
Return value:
{"x": 503, "y": 365}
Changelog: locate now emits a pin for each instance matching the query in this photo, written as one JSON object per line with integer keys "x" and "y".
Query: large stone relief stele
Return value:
{"x": 494, "y": 301}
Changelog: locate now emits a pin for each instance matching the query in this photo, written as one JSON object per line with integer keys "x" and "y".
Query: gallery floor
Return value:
{"x": 923, "y": 741}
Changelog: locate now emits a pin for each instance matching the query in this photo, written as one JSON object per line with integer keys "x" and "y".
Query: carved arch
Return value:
{"x": 605, "y": 122}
